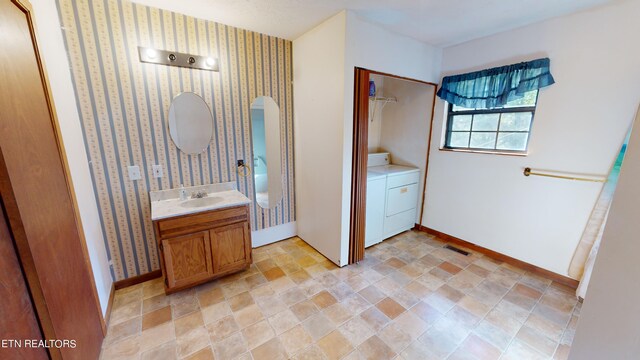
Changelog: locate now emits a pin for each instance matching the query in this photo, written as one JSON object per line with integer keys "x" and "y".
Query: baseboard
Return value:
{"x": 137, "y": 279}
{"x": 107, "y": 314}
{"x": 572, "y": 283}
{"x": 273, "y": 234}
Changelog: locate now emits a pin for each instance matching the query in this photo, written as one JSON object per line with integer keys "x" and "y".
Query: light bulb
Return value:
{"x": 151, "y": 53}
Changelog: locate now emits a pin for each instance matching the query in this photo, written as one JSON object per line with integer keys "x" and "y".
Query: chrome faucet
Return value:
{"x": 198, "y": 194}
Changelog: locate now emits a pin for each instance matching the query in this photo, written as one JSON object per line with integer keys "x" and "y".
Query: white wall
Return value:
{"x": 608, "y": 325}
{"x": 579, "y": 126}
{"x": 318, "y": 73}
{"x": 406, "y": 125}
{"x": 53, "y": 52}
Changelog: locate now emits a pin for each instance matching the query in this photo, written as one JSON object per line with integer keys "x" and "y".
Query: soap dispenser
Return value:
{"x": 183, "y": 192}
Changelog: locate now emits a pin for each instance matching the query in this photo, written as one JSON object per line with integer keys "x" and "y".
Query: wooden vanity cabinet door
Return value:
{"x": 187, "y": 259}
{"x": 231, "y": 247}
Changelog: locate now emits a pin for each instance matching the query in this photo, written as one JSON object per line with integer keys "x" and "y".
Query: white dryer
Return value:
{"x": 392, "y": 198}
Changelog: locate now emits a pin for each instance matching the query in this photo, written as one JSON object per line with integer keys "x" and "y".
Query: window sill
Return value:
{"x": 523, "y": 154}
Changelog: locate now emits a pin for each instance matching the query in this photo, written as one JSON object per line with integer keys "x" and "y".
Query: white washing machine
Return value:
{"x": 376, "y": 200}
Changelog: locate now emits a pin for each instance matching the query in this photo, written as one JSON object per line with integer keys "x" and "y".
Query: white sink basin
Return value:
{"x": 201, "y": 202}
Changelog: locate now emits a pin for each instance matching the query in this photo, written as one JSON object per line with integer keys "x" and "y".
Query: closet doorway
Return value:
{"x": 392, "y": 119}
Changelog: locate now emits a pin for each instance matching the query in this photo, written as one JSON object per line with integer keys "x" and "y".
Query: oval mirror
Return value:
{"x": 190, "y": 123}
{"x": 267, "y": 160}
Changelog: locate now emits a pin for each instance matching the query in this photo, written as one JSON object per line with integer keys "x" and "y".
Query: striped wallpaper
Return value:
{"x": 124, "y": 104}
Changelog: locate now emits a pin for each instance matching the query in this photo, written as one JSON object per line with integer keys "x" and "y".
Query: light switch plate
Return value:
{"x": 134, "y": 172}
{"x": 157, "y": 171}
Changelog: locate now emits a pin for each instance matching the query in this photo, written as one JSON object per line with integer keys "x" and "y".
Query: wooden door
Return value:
{"x": 187, "y": 259}
{"x": 17, "y": 315}
{"x": 359, "y": 156}
{"x": 231, "y": 247}
{"x": 37, "y": 195}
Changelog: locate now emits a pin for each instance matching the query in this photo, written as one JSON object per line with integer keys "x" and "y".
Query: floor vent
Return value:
{"x": 459, "y": 251}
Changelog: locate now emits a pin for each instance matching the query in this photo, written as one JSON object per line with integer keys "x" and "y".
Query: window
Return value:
{"x": 502, "y": 129}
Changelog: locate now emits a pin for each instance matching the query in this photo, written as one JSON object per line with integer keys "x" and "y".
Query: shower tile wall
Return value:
{"x": 123, "y": 105}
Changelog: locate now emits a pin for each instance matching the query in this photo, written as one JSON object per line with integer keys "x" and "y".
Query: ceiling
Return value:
{"x": 437, "y": 22}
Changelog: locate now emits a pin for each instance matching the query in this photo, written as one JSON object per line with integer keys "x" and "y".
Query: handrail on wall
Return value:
{"x": 527, "y": 171}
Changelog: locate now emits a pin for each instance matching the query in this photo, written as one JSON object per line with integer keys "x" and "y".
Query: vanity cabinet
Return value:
{"x": 199, "y": 247}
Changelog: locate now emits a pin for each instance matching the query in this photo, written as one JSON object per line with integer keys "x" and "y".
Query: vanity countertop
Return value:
{"x": 167, "y": 203}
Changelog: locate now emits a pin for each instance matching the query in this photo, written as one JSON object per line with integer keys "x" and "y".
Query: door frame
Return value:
{"x": 359, "y": 157}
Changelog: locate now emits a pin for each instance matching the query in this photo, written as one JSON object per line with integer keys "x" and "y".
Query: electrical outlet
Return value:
{"x": 157, "y": 171}
{"x": 134, "y": 172}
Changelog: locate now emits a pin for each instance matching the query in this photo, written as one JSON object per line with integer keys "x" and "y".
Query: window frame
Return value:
{"x": 516, "y": 109}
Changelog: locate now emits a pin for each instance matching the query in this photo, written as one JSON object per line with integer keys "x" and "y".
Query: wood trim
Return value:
{"x": 121, "y": 284}
{"x": 426, "y": 166}
{"x": 564, "y": 280}
{"x": 401, "y": 77}
{"x": 26, "y": 7}
{"x": 107, "y": 315}
{"x": 359, "y": 165}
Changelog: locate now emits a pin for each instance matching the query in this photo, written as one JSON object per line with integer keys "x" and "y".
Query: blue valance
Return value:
{"x": 495, "y": 87}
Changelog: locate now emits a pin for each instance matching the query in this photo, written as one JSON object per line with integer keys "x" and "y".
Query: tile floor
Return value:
{"x": 409, "y": 299}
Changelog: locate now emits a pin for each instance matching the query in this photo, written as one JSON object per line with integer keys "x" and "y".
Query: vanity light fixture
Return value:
{"x": 174, "y": 58}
